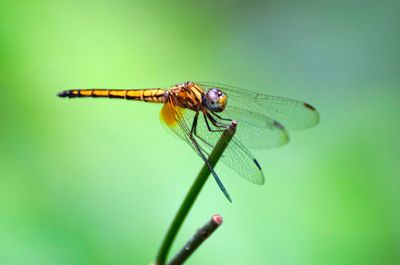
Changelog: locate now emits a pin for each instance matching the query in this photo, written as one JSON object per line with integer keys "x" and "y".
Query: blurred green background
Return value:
{"x": 98, "y": 181}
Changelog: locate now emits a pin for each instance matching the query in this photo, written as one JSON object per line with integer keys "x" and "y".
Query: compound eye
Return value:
{"x": 215, "y": 100}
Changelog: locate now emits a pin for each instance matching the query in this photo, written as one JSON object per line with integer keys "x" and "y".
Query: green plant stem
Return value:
{"x": 194, "y": 192}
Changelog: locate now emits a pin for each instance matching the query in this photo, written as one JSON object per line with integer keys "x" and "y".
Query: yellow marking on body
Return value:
{"x": 198, "y": 91}
{"x": 147, "y": 94}
{"x": 117, "y": 93}
{"x": 100, "y": 93}
{"x": 75, "y": 92}
{"x": 134, "y": 94}
{"x": 86, "y": 93}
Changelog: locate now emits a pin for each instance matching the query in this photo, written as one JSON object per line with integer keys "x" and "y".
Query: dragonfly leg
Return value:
{"x": 194, "y": 125}
{"x": 215, "y": 122}
{"x": 208, "y": 125}
{"x": 193, "y": 131}
{"x": 219, "y": 117}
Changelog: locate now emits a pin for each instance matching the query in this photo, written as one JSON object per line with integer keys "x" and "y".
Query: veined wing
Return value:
{"x": 256, "y": 130}
{"x": 236, "y": 155}
{"x": 175, "y": 119}
{"x": 292, "y": 114}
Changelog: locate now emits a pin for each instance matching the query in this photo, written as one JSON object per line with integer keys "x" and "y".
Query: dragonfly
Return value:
{"x": 199, "y": 112}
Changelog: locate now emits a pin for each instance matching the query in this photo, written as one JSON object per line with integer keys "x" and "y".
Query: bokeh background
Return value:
{"x": 98, "y": 181}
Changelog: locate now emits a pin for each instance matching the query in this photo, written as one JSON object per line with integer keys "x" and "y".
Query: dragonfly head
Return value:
{"x": 215, "y": 100}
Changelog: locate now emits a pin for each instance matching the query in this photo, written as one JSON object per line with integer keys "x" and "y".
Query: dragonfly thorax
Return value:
{"x": 215, "y": 100}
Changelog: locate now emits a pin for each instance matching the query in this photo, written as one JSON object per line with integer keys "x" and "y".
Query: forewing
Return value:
{"x": 236, "y": 155}
{"x": 256, "y": 130}
{"x": 292, "y": 114}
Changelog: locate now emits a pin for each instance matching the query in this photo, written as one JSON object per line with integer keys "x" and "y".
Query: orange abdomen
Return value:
{"x": 156, "y": 95}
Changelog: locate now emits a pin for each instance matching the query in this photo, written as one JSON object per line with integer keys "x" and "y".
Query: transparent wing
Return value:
{"x": 292, "y": 114}
{"x": 236, "y": 156}
{"x": 173, "y": 117}
{"x": 256, "y": 130}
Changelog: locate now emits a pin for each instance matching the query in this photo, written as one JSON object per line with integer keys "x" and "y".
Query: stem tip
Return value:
{"x": 217, "y": 219}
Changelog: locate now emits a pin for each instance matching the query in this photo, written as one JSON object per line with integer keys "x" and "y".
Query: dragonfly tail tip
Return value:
{"x": 62, "y": 94}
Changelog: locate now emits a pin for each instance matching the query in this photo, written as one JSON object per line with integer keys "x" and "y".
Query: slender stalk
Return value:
{"x": 194, "y": 192}
{"x": 198, "y": 238}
